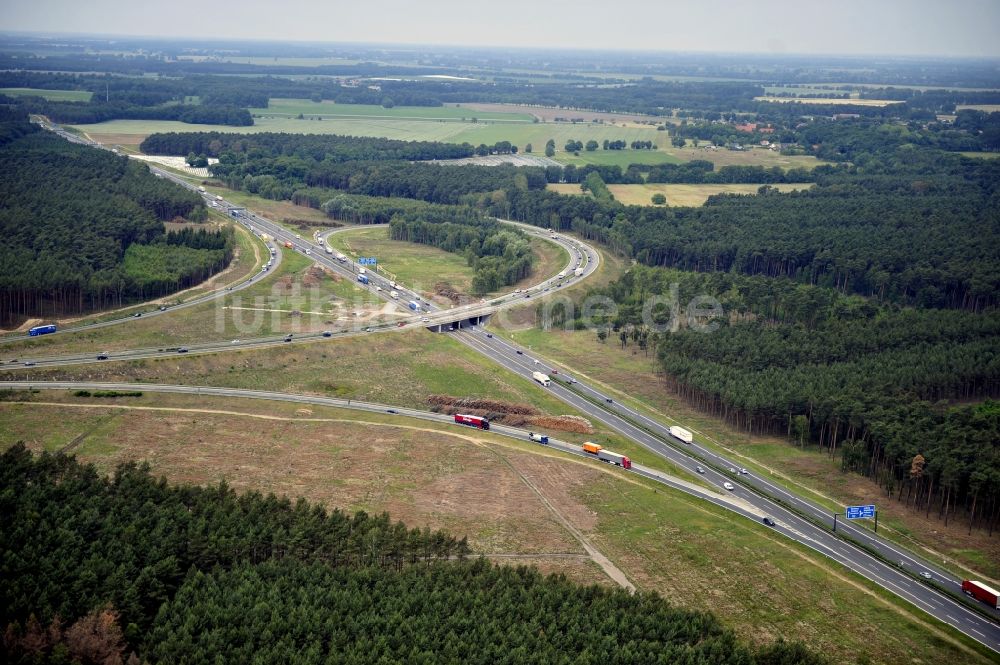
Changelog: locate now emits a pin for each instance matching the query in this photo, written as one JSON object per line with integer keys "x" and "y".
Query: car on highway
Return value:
{"x": 102, "y": 356}
{"x": 235, "y": 341}
{"x": 391, "y": 411}
{"x": 699, "y": 469}
{"x": 490, "y": 335}
{"x": 29, "y": 363}
{"x": 368, "y": 329}
{"x": 743, "y": 472}
{"x": 571, "y": 380}
{"x": 137, "y": 315}
{"x": 163, "y": 308}
{"x": 732, "y": 470}
{"x": 608, "y": 400}
{"x": 768, "y": 521}
{"x": 183, "y": 349}
{"x": 520, "y": 352}
{"x": 401, "y": 324}
{"x": 425, "y": 319}
{"x": 728, "y": 486}
{"x": 926, "y": 575}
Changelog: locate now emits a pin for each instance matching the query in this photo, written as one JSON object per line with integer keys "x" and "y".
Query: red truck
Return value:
{"x": 472, "y": 421}
{"x": 981, "y": 592}
{"x": 607, "y": 455}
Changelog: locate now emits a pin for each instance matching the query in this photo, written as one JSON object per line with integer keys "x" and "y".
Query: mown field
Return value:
{"x": 287, "y": 107}
{"x": 422, "y": 267}
{"x": 677, "y": 195}
{"x": 51, "y": 95}
{"x": 632, "y": 376}
{"x": 509, "y": 498}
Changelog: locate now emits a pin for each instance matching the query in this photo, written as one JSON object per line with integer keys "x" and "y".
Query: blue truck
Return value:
{"x": 414, "y": 305}
{"x": 363, "y": 279}
{"x": 42, "y": 330}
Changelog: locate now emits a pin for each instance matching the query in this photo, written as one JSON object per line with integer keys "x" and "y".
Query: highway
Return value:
{"x": 895, "y": 569}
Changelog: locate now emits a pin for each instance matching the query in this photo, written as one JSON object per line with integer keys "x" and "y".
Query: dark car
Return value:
{"x": 29, "y": 363}
{"x": 608, "y": 400}
{"x": 288, "y": 339}
{"x": 768, "y": 521}
{"x": 327, "y": 333}
{"x": 391, "y": 411}
{"x": 137, "y": 315}
{"x": 490, "y": 335}
{"x": 102, "y": 356}
{"x": 183, "y": 349}
{"x": 520, "y": 352}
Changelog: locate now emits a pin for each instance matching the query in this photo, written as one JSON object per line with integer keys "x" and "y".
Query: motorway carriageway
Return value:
{"x": 655, "y": 436}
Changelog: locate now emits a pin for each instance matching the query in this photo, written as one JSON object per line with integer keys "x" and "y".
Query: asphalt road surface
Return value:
{"x": 753, "y": 496}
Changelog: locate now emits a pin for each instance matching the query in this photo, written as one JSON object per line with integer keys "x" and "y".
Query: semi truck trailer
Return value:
{"x": 982, "y": 592}
{"x": 542, "y": 378}
{"x": 607, "y": 455}
{"x": 681, "y": 434}
{"x": 472, "y": 421}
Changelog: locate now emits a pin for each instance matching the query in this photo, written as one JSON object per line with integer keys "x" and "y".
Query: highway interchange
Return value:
{"x": 894, "y": 568}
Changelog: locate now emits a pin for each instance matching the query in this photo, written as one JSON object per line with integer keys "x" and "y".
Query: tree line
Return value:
{"x": 100, "y": 567}
{"x": 498, "y": 255}
{"x": 83, "y": 229}
{"x": 870, "y": 383}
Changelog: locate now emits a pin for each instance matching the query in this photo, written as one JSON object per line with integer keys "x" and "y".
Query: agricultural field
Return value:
{"x": 832, "y": 102}
{"x": 50, "y": 95}
{"x": 549, "y": 114}
{"x": 985, "y": 108}
{"x": 285, "y": 107}
{"x": 132, "y": 132}
{"x": 622, "y": 158}
{"x": 677, "y": 195}
{"x": 514, "y": 501}
{"x": 422, "y": 267}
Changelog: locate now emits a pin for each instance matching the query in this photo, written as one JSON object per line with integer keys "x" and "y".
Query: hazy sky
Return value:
{"x": 901, "y": 27}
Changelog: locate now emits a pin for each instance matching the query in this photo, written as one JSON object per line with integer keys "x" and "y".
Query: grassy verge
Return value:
{"x": 421, "y": 267}
{"x": 630, "y": 375}
{"x": 294, "y": 298}
{"x": 491, "y": 489}
{"x": 250, "y": 255}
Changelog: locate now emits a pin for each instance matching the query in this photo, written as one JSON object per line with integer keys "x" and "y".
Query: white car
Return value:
{"x": 728, "y": 486}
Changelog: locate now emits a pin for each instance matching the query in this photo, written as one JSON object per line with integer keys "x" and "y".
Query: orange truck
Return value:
{"x": 288, "y": 244}
{"x": 607, "y": 455}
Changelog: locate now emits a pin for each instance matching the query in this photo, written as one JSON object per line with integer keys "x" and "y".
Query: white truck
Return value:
{"x": 542, "y": 378}
{"x": 319, "y": 240}
{"x": 394, "y": 294}
{"x": 361, "y": 271}
{"x": 329, "y": 250}
{"x": 681, "y": 434}
{"x": 561, "y": 275}
{"x": 578, "y": 272}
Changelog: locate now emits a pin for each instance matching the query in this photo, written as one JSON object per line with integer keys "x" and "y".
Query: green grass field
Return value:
{"x": 293, "y": 107}
{"x": 696, "y": 555}
{"x": 51, "y": 95}
{"x": 677, "y": 195}
{"x": 421, "y": 267}
{"x": 622, "y": 158}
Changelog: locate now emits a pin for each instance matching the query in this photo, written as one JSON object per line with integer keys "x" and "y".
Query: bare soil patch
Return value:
{"x": 508, "y": 413}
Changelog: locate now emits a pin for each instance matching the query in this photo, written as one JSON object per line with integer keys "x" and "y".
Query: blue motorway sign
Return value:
{"x": 367, "y": 260}
{"x": 860, "y": 512}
